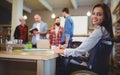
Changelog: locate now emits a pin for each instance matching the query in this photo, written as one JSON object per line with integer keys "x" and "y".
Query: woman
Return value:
{"x": 101, "y": 18}
{"x": 21, "y": 31}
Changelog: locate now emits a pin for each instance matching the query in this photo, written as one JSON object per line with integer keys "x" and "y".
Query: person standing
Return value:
{"x": 68, "y": 28}
{"x": 42, "y": 29}
{"x": 55, "y": 33}
{"x": 21, "y": 31}
{"x": 66, "y": 42}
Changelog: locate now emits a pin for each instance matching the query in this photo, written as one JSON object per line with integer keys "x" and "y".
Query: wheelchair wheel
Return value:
{"x": 83, "y": 72}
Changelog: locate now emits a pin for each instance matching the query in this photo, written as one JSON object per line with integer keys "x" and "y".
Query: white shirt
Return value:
{"x": 89, "y": 43}
{"x": 56, "y": 30}
{"x": 38, "y": 27}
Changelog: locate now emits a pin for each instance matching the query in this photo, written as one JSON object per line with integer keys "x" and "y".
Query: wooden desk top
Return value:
{"x": 29, "y": 55}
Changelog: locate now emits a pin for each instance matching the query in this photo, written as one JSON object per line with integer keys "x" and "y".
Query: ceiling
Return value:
{"x": 31, "y": 5}
{"x": 55, "y": 4}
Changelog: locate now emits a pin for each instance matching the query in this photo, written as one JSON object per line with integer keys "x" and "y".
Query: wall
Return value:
{"x": 46, "y": 15}
{"x": 5, "y": 16}
{"x": 5, "y": 12}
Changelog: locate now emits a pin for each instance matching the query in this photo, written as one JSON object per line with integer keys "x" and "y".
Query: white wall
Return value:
{"x": 80, "y": 24}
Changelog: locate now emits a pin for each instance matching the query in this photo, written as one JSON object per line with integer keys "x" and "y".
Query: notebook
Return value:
{"x": 43, "y": 44}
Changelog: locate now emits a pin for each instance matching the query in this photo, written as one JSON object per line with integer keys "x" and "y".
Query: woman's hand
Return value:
{"x": 59, "y": 50}
{"x": 63, "y": 46}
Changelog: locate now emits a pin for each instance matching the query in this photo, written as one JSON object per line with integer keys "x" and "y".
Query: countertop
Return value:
{"x": 28, "y": 55}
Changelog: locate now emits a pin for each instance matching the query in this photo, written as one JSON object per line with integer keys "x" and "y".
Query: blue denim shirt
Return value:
{"x": 68, "y": 29}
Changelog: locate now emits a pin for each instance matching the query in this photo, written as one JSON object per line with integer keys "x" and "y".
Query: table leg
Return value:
{"x": 46, "y": 67}
{"x": 40, "y": 67}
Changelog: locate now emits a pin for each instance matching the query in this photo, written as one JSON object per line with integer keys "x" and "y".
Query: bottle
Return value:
{"x": 1, "y": 39}
{"x": 6, "y": 41}
{"x": 9, "y": 48}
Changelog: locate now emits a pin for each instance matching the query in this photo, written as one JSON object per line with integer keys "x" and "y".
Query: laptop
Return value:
{"x": 43, "y": 44}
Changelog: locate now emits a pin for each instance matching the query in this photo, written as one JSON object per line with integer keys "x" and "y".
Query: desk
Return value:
{"x": 45, "y": 61}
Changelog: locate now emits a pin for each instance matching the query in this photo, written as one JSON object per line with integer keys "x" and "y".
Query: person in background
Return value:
{"x": 21, "y": 31}
{"x": 66, "y": 41}
{"x": 42, "y": 29}
{"x": 68, "y": 28}
{"x": 101, "y": 17}
{"x": 55, "y": 33}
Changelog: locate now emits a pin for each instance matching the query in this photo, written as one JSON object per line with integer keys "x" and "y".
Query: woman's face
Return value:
{"x": 97, "y": 16}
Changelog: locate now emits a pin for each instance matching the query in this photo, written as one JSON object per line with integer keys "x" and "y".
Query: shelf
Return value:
{"x": 85, "y": 35}
{"x": 118, "y": 20}
{"x": 91, "y": 28}
{"x": 5, "y": 25}
{"x": 114, "y": 10}
{"x": 5, "y": 32}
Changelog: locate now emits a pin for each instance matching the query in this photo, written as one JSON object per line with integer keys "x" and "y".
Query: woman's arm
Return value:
{"x": 87, "y": 45}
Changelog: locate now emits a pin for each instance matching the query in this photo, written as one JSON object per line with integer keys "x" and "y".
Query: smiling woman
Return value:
{"x": 101, "y": 17}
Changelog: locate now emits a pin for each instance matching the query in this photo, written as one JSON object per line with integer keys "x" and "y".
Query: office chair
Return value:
{"x": 98, "y": 62}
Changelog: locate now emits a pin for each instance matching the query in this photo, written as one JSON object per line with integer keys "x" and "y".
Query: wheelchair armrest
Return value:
{"x": 78, "y": 60}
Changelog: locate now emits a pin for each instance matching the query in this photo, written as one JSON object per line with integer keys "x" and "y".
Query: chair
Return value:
{"x": 99, "y": 61}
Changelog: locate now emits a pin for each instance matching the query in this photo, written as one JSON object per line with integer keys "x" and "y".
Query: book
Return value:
{"x": 32, "y": 29}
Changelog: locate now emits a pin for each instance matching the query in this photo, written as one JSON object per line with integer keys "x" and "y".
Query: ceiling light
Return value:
{"x": 53, "y": 16}
{"x": 88, "y": 13}
{"x": 25, "y": 17}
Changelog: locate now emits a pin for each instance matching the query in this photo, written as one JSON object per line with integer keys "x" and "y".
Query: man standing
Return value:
{"x": 41, "y": 31}
{"x": 55, "y": 33}
{"x": 68, "y": 28}
{"x": 66, "y": 41}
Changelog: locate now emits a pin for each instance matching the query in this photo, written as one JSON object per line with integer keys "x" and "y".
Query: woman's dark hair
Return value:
{"x": 107, "y": 23}
{"x": 65, "y": 10}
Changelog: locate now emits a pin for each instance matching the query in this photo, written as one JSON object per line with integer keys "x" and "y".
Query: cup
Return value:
{"x": 15, "y": 41}
{"x": 20, "y": 41}
{"x": 29, "y": 46}
{"x": 9, "y": 48}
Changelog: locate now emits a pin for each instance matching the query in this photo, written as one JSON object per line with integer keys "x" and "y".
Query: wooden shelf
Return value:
{"x": 5, "y": 32}
{"x": 91, "y": 28}
{"x": 86, "y": 35}
{"x": 118, "y": 20}
{"x": 116, "y": 23}
{"x": 114, "y": 10}
{"x": 5, "y": 25}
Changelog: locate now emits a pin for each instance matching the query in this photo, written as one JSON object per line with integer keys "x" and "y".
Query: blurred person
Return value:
{"x": 21, "y": 31}
{"x": 68, "y": 28}
{"x": 42, "y": 29}
{"x": 55, "y": 33}
{"x": 66, "y": 40}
